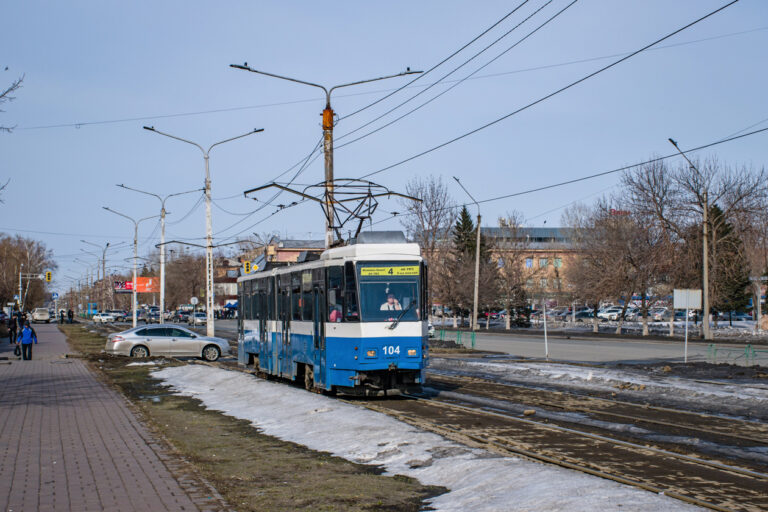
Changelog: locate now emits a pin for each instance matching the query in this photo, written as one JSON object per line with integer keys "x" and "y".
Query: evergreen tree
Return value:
{"x": 464, "y": 233}
{"x": 730, "y": 271}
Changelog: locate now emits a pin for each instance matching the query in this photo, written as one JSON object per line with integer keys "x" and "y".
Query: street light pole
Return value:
{"x": 135, "y": 250}
{"x": 477, "y": 258}
{"x": 209, "y": 327}
{"x": 103, "y": 266}
{"x": 705, "y": 249}
{"x": 328, "y": 123}
{"x": 162, "y": 236}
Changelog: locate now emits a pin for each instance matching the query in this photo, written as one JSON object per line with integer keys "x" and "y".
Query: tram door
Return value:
{"x": 318, "y": 310}
{"x": 284, "y": 319}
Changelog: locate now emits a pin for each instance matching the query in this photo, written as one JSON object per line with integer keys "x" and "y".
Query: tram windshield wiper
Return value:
{"x": 397, "y": 320}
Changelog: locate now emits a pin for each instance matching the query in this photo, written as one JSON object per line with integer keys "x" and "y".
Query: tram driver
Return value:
{"x": 391, "y": 304}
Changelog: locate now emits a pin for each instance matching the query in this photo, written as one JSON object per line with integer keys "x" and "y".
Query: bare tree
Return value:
{"x": 35, "y": 257}
{"x": 675, "y": 200}
{"x": 429, "y": 223}
{"x": 6, "y": 96}
{"x": 512, "y": 274}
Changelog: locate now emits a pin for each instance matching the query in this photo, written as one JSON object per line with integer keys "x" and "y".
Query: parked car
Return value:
{"x": 153, "y": 317}
{"x": 585, "y": 316}
{"x": 119, "y": 315}
{"x": 431, "y": 330}
{"x": 181, "y": 316}
{"x": 611, "y": 313}
{"x": 740, "y": 317}
{"x": 103, "y": 318}
{"x": 658, "y": 314}
{"x": 198, "y": 318}
{"x": 165, "y": 340}
{"x": 41, "y": 315}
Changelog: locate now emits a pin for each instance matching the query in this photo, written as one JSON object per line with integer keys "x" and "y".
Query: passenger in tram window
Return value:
{"x": 391, "y": 304}
{"x": 335, "y": 315}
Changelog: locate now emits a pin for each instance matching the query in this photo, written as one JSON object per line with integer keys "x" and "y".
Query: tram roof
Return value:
{"x": 373, "y": 251}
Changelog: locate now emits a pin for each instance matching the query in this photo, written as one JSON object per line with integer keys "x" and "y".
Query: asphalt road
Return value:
{"x": 596, "y": 350}
{"x": 576, "y": 349}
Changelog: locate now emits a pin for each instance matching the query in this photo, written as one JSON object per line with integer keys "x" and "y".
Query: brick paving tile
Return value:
{"x": 70, "y": 443}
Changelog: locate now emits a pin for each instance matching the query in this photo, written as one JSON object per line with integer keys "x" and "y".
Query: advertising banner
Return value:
{"x": 143, "y": 285}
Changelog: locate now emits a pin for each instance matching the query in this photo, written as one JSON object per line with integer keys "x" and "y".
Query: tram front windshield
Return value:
{"x": 389, "y": 291}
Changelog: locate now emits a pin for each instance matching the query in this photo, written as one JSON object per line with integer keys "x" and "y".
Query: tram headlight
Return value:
{"x": 371, "y": 353}
{"x": 411, "y": 351}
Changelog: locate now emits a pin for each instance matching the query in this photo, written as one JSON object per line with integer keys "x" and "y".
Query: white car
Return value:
{"x": 41, "y": 315}
{"x": 165, "y": 340}
{"x": 103, "y": 318}
{"x": 198, "y": 318}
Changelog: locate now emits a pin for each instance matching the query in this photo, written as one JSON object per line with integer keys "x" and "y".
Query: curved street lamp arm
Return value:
{"x": 404, "y": 73}
{"x": 255, "y": 130}
{"x": 120, "y": 214}
{"x": 245, "y": 67}
{"x": 152, "y": 129}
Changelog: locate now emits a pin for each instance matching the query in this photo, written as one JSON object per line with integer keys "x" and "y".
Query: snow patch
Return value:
{"x": 478, "y": 480}
{"x": 604, "y": 379}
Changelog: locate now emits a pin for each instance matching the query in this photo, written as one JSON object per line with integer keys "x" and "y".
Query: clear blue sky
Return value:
{"x": 89, "y": 61}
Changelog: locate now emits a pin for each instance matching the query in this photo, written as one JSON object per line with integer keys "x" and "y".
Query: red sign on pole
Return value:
{"x": 143, "y": 285}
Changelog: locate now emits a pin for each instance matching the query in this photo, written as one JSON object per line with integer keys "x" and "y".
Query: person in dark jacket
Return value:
{"x": 70, "y": 315}
{"x": 61, "y": 317}
{"x": 26, "y": 337}
{"x": 12, "y": 328}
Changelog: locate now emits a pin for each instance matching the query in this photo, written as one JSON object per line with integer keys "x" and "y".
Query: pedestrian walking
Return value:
{"x": 61, "y": 317}
{"x": 26, "y": 337}
{"x": 70, "y": 314}
{"x": 12, "y": 328}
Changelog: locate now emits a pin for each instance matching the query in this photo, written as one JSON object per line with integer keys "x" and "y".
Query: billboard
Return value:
{"x": 143, "y": 285}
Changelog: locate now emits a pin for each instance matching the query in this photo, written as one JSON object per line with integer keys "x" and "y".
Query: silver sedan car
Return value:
{"x": 165, "y": 340}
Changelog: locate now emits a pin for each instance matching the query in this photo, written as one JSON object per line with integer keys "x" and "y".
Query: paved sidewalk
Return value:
{"x": 68, "y": 442}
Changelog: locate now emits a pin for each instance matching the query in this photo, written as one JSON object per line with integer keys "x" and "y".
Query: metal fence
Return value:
{"x": 749, "y": 355}
{"x": 460, "y": 337}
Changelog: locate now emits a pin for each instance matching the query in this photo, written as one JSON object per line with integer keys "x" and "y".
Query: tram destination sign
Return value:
{"x": 412, "y": 270}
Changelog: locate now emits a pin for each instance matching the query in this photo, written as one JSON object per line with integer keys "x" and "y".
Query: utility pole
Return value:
{"x": 103, "y": 268}
{"x": 328, "y": 123}
{"x": 163, "y": 212}
{"x": 209, "y": 303}
{"x": 135, "y": 251}
{"x": 705, "y": 328}
{"x": 21, "y": 303}
{"x": 96, "y": 290}
{"x": 475, "y": 326}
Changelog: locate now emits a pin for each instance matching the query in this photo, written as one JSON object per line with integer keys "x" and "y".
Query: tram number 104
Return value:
{"x": 390, "y": 350}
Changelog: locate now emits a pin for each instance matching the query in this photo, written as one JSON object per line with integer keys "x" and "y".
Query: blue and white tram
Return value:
{"x": 354, "y": 321}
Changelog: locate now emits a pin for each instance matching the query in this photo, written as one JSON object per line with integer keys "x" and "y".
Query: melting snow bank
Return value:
{"x": 733, "y": 398}
{"x": 478, "y": 480}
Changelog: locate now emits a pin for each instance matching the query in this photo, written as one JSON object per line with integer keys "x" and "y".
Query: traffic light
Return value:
{"x": 247, "y": 267}
{"x": 48, "y": 276}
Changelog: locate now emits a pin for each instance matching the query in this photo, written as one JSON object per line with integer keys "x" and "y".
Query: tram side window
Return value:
{"x": 351, "y": 310}
{"x": 306, "y": 295}
{"x": 246, "y": 297}
{"x": 425, "y": 302}
{"x": 271, "y": 313}
{"x": 296, "y": 295}
{"x": 335, "y": 289}
{"x": 255, "y": 299}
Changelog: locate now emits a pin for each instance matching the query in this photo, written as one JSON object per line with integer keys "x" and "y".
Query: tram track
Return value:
{"x": 686, "y": 475}
{"x": 699, "y": 481}
{"x": 741, "y": 431}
